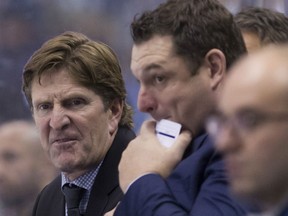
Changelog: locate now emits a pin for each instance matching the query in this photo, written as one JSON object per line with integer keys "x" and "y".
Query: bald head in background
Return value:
{"x": 251, "y": 128}
{"x": 24, "y": 168}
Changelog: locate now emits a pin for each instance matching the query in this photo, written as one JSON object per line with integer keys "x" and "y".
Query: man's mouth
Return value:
{"x": 62, "y": 140}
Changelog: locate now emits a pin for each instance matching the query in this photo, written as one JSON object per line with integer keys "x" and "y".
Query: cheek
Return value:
{"x": 267, "y": 159}
{"x": 21, "y": 169}
{"x": 99, "y": 136}
{"x": 268, "y": 145}
{"x": 276, "y": 148}
{"x": 191, "y": 109}
{"x": 43, "y": 130}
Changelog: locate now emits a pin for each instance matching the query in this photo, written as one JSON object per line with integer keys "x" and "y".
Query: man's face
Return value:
{"x": 253, "y": 136}
{"x": 167, "y": 88}
{"x": 75, "y": 129}
{"x": 18, "y": 167}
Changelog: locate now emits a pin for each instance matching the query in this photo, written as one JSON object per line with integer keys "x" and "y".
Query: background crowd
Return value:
{"x": 26, "y": 24}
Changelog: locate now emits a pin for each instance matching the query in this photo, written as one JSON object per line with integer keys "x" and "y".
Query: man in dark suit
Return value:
{"x": 250, "y": 129}
{"x": 77, "y": 96}
{"x": 180, "y": 55}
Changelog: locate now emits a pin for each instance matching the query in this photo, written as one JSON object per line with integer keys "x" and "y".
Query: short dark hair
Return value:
{"x": 92, "y": 64}
{"x": 196, "y": 27}
{"x": 269, "y": 25}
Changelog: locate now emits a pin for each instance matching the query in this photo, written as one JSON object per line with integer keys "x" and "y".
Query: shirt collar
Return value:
{"x": 85, "y": 181}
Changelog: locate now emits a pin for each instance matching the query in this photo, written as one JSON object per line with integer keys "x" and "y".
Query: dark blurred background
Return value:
{"x": 26, "y": 24}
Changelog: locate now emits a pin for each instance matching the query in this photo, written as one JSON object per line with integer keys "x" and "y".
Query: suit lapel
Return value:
{"x": 106, "y": 192}
{"x": 51, "y": 200}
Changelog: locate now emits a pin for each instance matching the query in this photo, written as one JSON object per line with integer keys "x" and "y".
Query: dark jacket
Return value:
{"x": 105, "y": 193}
{"x": 198, "y": 186}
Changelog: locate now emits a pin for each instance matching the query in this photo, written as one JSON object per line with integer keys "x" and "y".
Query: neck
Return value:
{"x": 272, "y": 203}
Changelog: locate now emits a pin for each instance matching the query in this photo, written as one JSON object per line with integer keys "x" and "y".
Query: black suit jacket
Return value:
{"x": 105, "y": 193}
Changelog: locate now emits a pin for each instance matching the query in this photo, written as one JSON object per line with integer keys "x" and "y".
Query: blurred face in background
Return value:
{"x": 21, "y": 164}
{"x": 251, "y": 127}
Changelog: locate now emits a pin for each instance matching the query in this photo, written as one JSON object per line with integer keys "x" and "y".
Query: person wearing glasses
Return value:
{"x": 250, "y": 129}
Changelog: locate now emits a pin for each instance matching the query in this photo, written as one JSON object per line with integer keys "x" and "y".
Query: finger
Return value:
{"x": 182, "y": 142}
{"x": 148, "y": 126}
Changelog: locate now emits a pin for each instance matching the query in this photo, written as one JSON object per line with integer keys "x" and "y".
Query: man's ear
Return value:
{"x": 115, "y": 112}
{"x": 216, "y": 61}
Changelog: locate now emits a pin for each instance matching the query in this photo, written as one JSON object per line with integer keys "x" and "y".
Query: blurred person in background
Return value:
{"x": 24, "y": 168}
{"x": 77, "y": 96}
{"x": 261, "y": 27}
{"x": 19, "y": 37}
{"x": 250, "y": 130}
{"x": 180, "y": 55}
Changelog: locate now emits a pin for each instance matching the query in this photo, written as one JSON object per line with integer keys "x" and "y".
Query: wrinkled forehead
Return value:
{"x": 158, "y": 47}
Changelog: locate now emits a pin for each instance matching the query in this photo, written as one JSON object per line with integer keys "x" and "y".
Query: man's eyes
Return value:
{"x": 69, "y": 104}
{"x": 43, "y": 106}
{"x": 75, "y": 102}
{"x": 159, "y": 79}
{"x": 249, "y": 120}
{"x": 10, "y": 157}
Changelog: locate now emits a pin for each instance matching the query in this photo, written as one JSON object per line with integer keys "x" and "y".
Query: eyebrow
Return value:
{"x": 147, "y": 70}
{"x": 152, "y": 66}
{"x": 239, "y": 112}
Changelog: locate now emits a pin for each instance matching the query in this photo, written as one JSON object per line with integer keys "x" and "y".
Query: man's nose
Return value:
{"x": 227, "y": 140}
{"x": 59, "y": 118}
{"x": 146, "y": 101}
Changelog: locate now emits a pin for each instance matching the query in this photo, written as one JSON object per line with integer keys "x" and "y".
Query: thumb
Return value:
{"x": 148, "y": 126}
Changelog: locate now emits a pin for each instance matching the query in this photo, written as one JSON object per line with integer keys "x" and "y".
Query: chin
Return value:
{"x": 241, "y": 189}
{"x": 66, "y": 168}
{"x": 64, "y": 164}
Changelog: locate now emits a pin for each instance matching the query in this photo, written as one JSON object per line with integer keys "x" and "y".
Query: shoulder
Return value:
{"x": 124, "y": 134}
{"x": 52, "y": 189}
{"x": 201, "y": 159}
{"x": 50, "y": 199}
